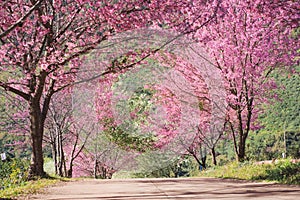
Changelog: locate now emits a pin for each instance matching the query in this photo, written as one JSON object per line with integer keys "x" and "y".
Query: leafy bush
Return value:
{"x": 180, "y": 167}
{"x": 27, "y": 188}
{"x": 13, "y": 172}
{"x": 284, "y": 171}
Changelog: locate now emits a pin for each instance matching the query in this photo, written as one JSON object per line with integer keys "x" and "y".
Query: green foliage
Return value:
{"x": 27, "y": 188}
{"x": 226, "y": 150}
{"x": 264, "y": 146}
{"x": 155, "y": 165}
{"x": 128, "y": 134}
{"x": 134, "y": 107}
{"x": 13, "y": 176}
{"x": 8, "y": 123}
{"x": 166, "y": 172}
{"x": 283, "y": 115}
{"x": 235, "y": 170}
{"x": 293, "y": 144}
{"x": 280, "y": 132}
{"x": 282, "y": 172}
{"x": 177, "y": 167}
{"x": 13, "y": 173}
{"x": 18, "y": 151}
{"x": 128, "y": 140}
{"x": 269, "y": 145}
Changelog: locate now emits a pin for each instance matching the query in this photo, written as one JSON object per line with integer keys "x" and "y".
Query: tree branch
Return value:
{"x": 21, "y": 20}
{"x": 14, "y": 90}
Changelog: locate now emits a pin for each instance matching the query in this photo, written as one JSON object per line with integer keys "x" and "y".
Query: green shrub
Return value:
{"x": 284, "y": 172}
{"x": 180, "y": 167}
{"x": 27, "y": 188}
{"x": 13, "y": 173}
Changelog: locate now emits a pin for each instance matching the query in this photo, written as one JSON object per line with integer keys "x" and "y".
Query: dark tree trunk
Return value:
{"x": 242, "y": 149}
{"x": 241, "y": 137}
{"x": 36, "y": 133}
{"x": 244, "y": 122}
{"x": 54, "y": 155}
{"x": 70, "y": 170}
{"x": 243, "y": 133}
{"x": 203, "y": 159}
{"x": 213, "y": 154}
{"x": 37, "y": 159}
{"x": 62, "y": 156}
{"x": 37, "y": 114}
{"x": 95, "y": 168}
{"x": 61, "y": 160}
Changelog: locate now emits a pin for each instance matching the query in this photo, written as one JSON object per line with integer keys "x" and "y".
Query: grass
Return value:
{"x": 284, "y": 172}
{"x": 29, "y": 187}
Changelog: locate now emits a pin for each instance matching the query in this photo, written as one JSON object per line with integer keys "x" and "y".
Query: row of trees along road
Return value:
{"x": 41, "y": 43}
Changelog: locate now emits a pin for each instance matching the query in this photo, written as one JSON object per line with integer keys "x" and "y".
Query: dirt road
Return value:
{"x": 156, "y": 189}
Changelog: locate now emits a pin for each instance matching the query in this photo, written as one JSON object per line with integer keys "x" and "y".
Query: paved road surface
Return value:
{"x": 156, "y": 189}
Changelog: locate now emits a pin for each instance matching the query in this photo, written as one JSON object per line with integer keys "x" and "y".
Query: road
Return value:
{"x": 156, "y": 189}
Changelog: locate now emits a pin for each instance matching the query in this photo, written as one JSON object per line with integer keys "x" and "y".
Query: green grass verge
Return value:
{"x": 283, "y": 171}
{"x": 28, "y": 188}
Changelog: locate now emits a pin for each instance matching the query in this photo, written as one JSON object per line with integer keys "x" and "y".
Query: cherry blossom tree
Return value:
{"x": 248, "y": 39}
{"x": 67, "y": 129}
{"x": 102, "y": 157}
{"x": 42, "y": 41}
{"x": 178, "y": 89}
{"x": 57, "y": 126}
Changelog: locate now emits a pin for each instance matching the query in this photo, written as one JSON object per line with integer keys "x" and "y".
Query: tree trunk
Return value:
{"x": 242, "y": 149}
{"x": 70, "y": 170}
{"x": 61, "y": 161}
{"x": 37, "y": 115}
{"x": 95, "y": 168}
{"x": 54, "y": 155}
{"x": 240, "y": 142}
{"x": 37, "y": 160}
{"x": 36, "y": 133}
{"x": 65, "y": 167}
{"x": 213, "y": 154}
{"x": 203, "y": 159}
{"x": 203, "y": 156}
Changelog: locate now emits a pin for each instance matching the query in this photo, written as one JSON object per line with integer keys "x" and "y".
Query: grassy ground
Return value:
{"x": 14, "y": 182}
{"x": 283, "y": 171}
{"x": 29, "y": 187}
